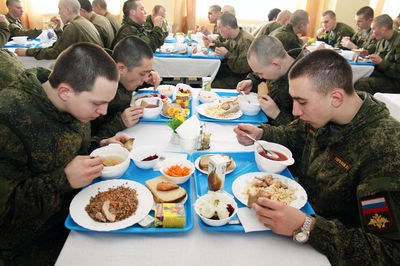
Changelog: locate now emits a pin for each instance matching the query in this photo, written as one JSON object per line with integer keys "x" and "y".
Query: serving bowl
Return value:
{"x": 165, "y": 165}
{"x": 113, "y": 151}
{"x": 268, "y": 165}
{"x": 207, "y": 96}
{"x": 223, "y": 198}
{"x": 21, "y": 40}
{"x": 150, "y": 113}
{"x": 167, "y": 90}
{"x": 249, "y": 104}
{"x": 140, "y": 153}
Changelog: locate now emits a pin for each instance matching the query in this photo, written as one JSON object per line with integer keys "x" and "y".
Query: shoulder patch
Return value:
{"x": 376, "y": 214}
{"x": 340, "y": 162}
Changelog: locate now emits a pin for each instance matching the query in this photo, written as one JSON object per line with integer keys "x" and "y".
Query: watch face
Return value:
{"x": 301, "y": 237}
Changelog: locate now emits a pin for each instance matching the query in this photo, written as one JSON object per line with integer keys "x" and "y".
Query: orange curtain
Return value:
{"x": 185, "y": 15}
{"x": 312, "y": 8}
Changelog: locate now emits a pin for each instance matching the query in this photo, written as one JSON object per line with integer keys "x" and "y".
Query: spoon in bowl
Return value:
{"x": 270, "y": 154}
{"x": 245, "y": 96}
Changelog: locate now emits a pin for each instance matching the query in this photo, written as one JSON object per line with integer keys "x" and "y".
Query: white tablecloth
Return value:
{"x": 361, "y": 71}
{"x": 392, "y": 101}
{"x": 186, "y": 67}
{"x": 196, "y": 247}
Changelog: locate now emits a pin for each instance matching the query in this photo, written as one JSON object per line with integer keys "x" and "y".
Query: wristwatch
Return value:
{"x": 302, "y": 234}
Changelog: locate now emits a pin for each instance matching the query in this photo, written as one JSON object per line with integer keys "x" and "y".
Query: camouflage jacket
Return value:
{"x": 108, "y": 125}
{"x": 390, "y": 66}
{"x": 149, "y": 26}
{"x": 4, "y": 34}
{"x": 10, "y": 68}
{"x": 334, "y": 37}
{"x": 268, "y": 28}
{"x": 78, "y": 30}
{"x": 37, "y": 142}
{"x": 364, "y": 40}
{"x": 340, "y": 172}
{"x": 104, "y": 28}
{"x": 16, "y": 29}
{"x": 288, "y": 38}
{"x": 279, "y": 92}
{"x": 114, "y": 20}
{"x": 154, "y": 38}
{"x": 234, "y": 66}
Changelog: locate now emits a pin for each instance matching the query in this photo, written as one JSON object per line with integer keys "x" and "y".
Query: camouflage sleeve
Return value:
{"x": 390, "y": 64}
{"x": 106, "y": 126}
{"x": 289, "y": 41}
{"x": 16, "y": 31}
{"x": 27, "y": 200}
{"x": 237, "y": 59}
{"x": 10, "y": 68}
{"x": 340, "y": 34}
{"x": 370, "y": 46}
{"x": 283, "y": 118}
{"x": 154, "y": 38}
{"x": 4, "y": 34}
{"x": 255, "y": 79}
{"x": 67, "y": 38}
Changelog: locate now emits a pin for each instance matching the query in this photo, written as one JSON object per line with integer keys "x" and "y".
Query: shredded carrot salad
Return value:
{"x": 177, "y": 171}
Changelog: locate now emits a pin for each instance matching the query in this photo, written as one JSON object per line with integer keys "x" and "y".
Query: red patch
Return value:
{"x": 340, "y": 161}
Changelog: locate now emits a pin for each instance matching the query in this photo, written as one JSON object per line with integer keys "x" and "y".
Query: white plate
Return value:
{"x": 242, "y": 182}
{"x": 138, "y": 96}
{"x": 79, "y": 202}
{"x": 197, "y": 164}
{"x": 201, "y": 110}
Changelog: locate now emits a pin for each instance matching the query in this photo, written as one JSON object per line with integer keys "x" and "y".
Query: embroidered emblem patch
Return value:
{"x": 339, "y": 161}
{"x": 376, "y": 214}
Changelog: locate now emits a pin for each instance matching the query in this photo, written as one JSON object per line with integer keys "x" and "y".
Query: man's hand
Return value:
{"x": 320, "y": 32}
{"x": 82, "y": 170}
{"x": 21, "y": 51}
{"x": 207, "y": 41}
{"x": 3, "y": 19}
{"x": 221, "y": 51}
{"x": 269, "y": 106}
{"x": 131, "y": 115}
{"x": 204, "y": 30}
{"x": 57, "y": 22}
{"x": 153, "y": 79}
{"x": 280, "y": 218}
{"x": 252, "y": 130}
{"x": 346, "y": 42}
{"x": 376, "y": 59}
{"x": 158, "y": 21}
{"x": 118, "y": 139}
{"x": 245, "y": 86}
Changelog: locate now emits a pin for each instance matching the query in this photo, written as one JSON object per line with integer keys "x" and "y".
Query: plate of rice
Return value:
{"x": 111, "y": 205}
{"x": 213, "y": 110}
{"x": 273, "y": 186}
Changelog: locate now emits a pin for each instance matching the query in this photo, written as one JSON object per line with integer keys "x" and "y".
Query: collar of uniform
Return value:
{"x": 129, "y": 21}
{"x": 11, "y": 19}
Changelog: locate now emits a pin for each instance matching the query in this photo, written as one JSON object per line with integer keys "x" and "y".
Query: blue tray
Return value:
{"x": 161, "y": 118}
{"x": 136, "y": 174}
{"x": 362, "y": 63}
{"x": 172, "y": 55}
{"x": 244, "y": 164}
{"x": 255, "y": 119}
{"x": 35, "y": 43}
{"x": 206, "y": 57}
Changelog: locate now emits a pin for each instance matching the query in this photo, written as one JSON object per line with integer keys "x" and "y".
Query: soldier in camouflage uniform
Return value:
{"x": 363, "y": 38}
{"x": 158, "y": 11}
{"x": 346, "y": 150}
{"x": 282, "y": 19}
{"x": 214, "y": 12}
{"x": 332, "y": 31}
{"x": 45, "y": 138}
{"x": 132, "y": 25}
{"x": 234, "y": 66}
{"x": 134, "y": 59}
{"x": 386, "y": 76}
{"x": 101, "y": 23}
{"x": 10, "y": 67}
{"x": 77, "y": 29}
{"x": 268, "y": 58}
{"x": 100, "y": 7}
{"x": 288, "y": 34}
{"x": 15, "y": 11}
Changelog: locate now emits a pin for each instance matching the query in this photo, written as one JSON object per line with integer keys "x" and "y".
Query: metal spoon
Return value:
{"x": 270, "y": 154}
{"x": 245, "y": 96}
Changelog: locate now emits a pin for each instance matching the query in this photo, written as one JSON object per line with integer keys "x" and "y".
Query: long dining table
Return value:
{"x": 196, "y": 246}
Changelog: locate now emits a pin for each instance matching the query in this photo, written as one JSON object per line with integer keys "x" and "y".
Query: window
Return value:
{"x": 51, "y": 6}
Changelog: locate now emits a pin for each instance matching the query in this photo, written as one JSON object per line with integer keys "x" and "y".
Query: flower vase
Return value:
{"x": 175, "y": 138}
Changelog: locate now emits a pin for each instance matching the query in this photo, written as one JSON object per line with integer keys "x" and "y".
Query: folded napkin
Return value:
{"x": 190, "y": 129}
{"x": 249, "y": 220}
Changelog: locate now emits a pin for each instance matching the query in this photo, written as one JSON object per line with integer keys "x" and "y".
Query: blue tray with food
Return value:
{"x": 145, "y": 182}
{"x": 240, "y": 165}
{"x": 161, "y": 114}
{"x": 209, "y": 112}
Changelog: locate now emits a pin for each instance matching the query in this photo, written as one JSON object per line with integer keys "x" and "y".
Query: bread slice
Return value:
{"x": 262, "y": 89}
{"x": 205, "y": 159}
{"x": 169, "y": 196}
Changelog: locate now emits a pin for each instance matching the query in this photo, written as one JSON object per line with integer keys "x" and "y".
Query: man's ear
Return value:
{"x": 122, "y": 68}
{"x": 64, "y": 91}
{"x": 337, "y": 97}
{"x": 277, "y": 63}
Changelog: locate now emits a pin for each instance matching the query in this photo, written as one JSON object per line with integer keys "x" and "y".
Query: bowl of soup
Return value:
{"x": 116, "y": 160}
{"x": 272, "y": 164}
{"x": 151, "y": 106}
